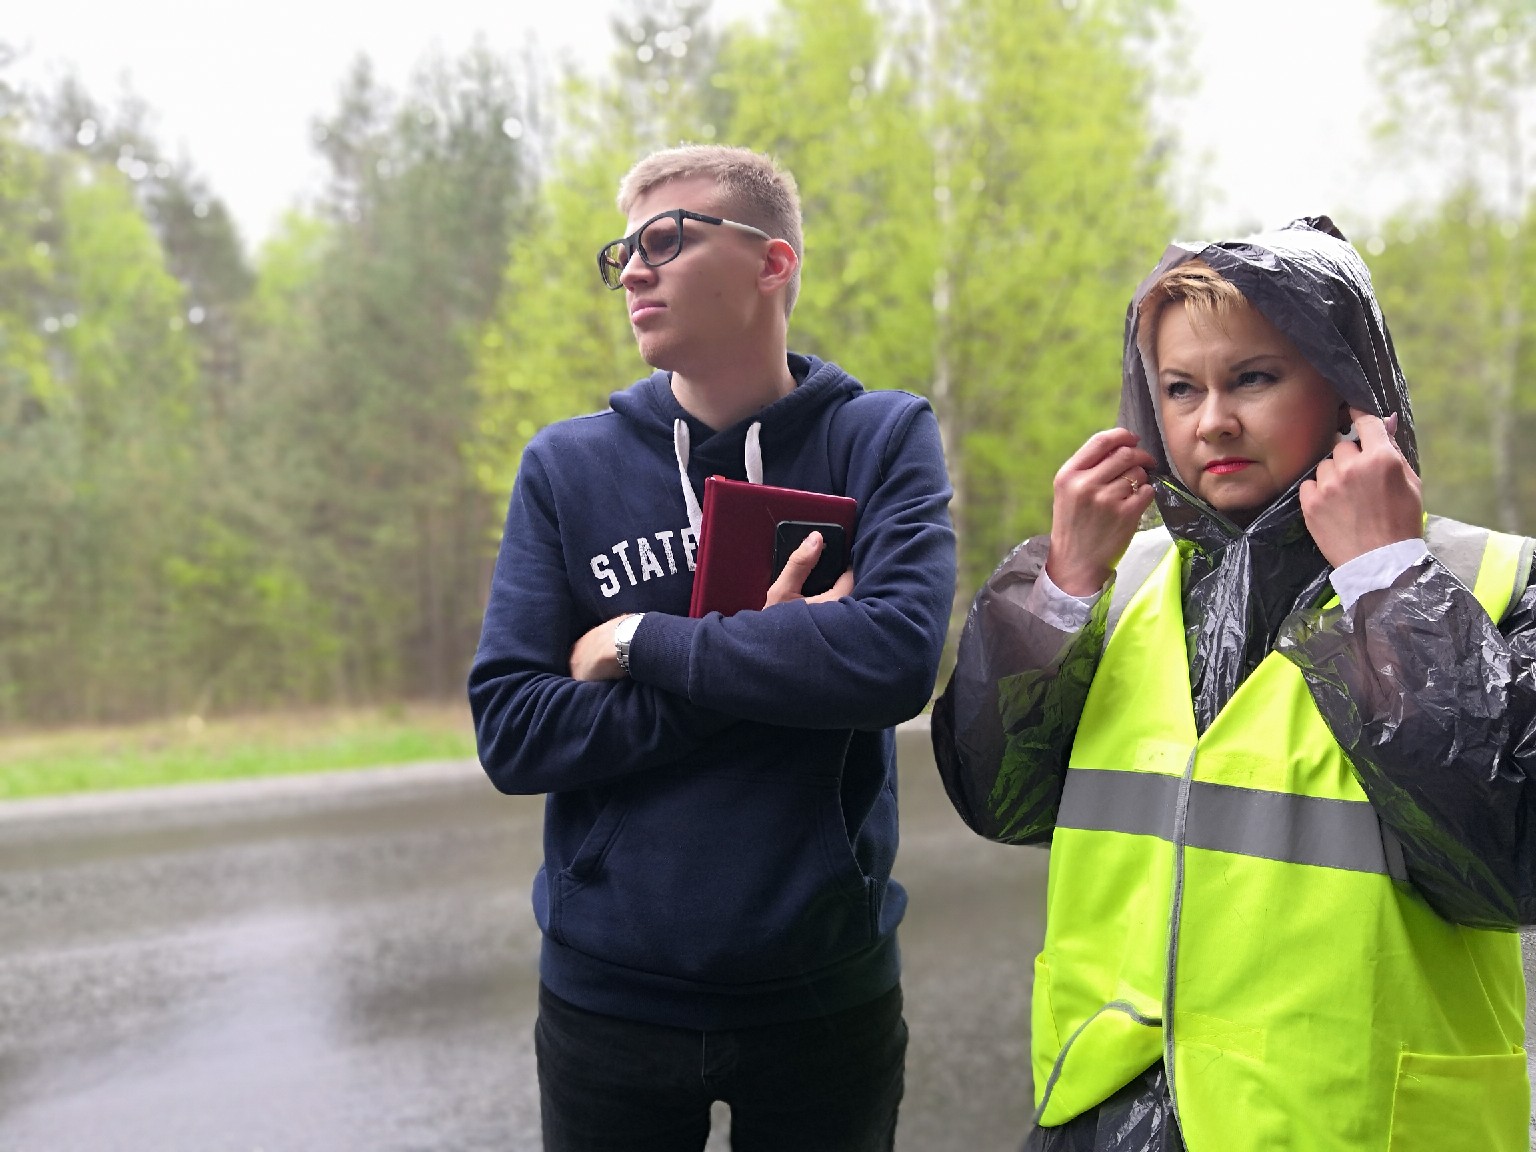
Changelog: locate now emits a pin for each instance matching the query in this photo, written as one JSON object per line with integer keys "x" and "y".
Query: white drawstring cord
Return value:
{"x": 680, "y": 450}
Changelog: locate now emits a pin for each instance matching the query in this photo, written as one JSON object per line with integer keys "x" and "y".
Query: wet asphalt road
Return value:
{"x": 349, "y": 962}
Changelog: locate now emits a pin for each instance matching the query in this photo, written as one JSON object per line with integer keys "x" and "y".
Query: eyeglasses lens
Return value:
{"x": 613, "y": 261}
{"x": 660, "y": 241}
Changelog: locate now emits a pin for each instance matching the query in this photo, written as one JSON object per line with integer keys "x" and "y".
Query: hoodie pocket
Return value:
{"x": 720, "y": 877}
{"x": 595, "y": 844}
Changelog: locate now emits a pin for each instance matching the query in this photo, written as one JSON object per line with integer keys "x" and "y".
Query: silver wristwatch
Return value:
{"x": 623, "y": 634}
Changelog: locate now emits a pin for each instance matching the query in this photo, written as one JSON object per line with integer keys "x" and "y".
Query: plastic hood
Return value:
{"x": 1242, "y": 582}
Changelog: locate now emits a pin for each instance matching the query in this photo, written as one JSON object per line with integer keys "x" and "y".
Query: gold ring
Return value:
{"x": 1134, "y": 483}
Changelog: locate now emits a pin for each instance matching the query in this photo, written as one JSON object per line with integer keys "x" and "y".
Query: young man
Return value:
{"x": 718, "y": 915}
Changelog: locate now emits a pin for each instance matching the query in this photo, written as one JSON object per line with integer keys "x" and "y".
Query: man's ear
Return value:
{"x": 779, "y": 264}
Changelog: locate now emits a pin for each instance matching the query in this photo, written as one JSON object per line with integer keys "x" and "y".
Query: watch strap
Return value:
{"x": 623, "y": 635}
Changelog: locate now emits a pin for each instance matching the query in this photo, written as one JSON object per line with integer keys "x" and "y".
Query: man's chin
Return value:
{"x": 657, "y": 354}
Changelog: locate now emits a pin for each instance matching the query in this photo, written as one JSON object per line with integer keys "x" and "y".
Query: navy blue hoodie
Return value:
{"x": 720, "y": 826}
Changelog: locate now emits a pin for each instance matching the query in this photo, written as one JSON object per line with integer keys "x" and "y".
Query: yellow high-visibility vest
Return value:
{"x": 1230, "y": 903}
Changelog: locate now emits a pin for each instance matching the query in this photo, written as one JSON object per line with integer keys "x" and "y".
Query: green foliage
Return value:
{"x": 33, "y": 497}
{"x": 100, "y": 483}
{"x": 1053, "y": 184}
{"x": 265, "y": 634}
{"x": 559, "y": 342}
{"x": 254, "y": 631}
{"x": 193, "y": 226}
{"x": 1444, "y": 278}
{"x": 828, "y": 89}
{"x": 221, "y": 491}
{"x": 365, "y": 346}
{"x": 1459, "y": 78}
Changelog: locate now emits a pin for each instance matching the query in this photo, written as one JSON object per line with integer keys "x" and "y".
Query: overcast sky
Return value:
{"x": 1280, "y": 122}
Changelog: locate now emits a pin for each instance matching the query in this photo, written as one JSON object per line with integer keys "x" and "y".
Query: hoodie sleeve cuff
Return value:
{"x": 659, "y": 651}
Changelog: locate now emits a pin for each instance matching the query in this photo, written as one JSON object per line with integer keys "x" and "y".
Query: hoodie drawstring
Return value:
{"x": 680, "y": 449}
{"x": 754, "y": 453}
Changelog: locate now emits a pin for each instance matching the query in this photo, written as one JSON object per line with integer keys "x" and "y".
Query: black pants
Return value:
{"x": 831, "y": 1084}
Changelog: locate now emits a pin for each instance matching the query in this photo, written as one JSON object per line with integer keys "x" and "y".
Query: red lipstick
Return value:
{"x": 1227, "y": 466}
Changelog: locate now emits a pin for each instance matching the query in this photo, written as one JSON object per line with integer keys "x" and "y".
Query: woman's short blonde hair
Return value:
{"x": 1205, "y": 293}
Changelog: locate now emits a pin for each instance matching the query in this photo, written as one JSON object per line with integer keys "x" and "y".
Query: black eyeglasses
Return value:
{"x": 659, "y": 241}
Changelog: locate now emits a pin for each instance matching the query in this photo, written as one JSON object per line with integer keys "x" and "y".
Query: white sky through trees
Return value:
{"x": 1278, "y": 125}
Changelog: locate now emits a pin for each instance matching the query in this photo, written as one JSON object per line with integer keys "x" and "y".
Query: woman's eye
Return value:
{"x": 1178, "y": 389}
{"x": 1255, "y": 377}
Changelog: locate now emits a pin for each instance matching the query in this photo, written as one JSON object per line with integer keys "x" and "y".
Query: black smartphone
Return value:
{"x": 832, "y": 562}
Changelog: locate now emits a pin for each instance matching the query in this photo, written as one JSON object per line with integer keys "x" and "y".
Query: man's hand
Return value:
{"x": 797, "y": 568}
{"x": 1365, "y": 495}
{"x": 1099, "y": 496}
{"x": 595, "y": 657}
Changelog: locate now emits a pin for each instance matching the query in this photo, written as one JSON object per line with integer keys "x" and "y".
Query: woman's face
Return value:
{"x": 1244, "y": 414}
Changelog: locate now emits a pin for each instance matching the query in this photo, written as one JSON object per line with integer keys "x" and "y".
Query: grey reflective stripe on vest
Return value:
{"x": 1280, "y": 826}
{"x": 1146, "y": 549}
{"x": 1460, "y": 548}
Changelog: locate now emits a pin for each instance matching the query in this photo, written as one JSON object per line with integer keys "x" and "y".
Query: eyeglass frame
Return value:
{"x": 633, "y": 244}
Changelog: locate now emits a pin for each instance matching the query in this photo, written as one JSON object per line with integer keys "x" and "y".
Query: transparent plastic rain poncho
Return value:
{"x": 1434, "y": 702}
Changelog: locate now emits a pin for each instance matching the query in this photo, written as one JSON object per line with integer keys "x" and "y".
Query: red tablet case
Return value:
{"x": 735, "y": 559}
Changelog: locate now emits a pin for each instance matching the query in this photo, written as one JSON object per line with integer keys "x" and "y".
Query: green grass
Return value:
{"x": 188, "y": 750}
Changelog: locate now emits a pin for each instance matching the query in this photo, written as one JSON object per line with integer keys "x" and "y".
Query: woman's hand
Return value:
{"x": 1364, "y": 496}
{"x": 1100, "y": 495}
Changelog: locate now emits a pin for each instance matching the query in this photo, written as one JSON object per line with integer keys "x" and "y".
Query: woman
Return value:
{"x": 1277, "y": 746}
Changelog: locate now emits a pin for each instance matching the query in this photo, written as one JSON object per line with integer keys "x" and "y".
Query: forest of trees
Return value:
{"x": 236, "y": 480}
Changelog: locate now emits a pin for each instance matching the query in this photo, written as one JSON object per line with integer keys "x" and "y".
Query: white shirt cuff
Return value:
{"x": 1375, "y": 569}
{"x": 1061, "y": 610}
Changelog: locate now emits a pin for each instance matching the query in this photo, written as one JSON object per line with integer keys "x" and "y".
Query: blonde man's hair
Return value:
{"x": 754, "y": 190}
{"x": 1205, "y": 293}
